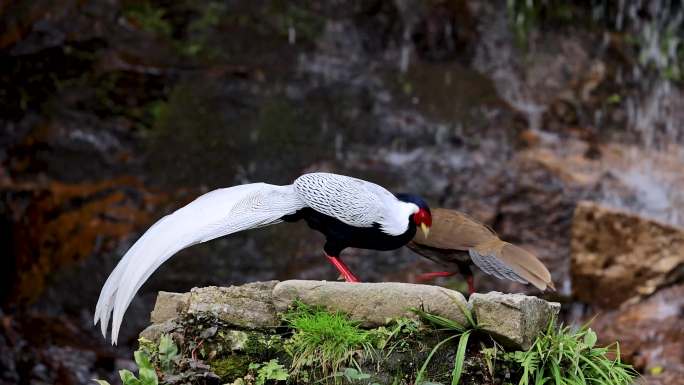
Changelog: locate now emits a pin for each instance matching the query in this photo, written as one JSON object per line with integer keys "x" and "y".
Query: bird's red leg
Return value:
{"x": 342, "y": 268}
{"x": 430, "y": 276}
{"x": 471, "y": 284}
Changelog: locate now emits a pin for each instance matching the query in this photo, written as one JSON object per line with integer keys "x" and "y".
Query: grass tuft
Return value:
{"x": 324, "y": 340}
{"x": 562, "y": 356}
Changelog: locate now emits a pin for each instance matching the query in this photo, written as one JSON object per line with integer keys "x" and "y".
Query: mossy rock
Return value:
{"x": 231, "y": 367}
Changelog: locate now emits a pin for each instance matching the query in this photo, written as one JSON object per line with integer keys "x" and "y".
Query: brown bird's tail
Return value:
{"x": 507, "y": 261}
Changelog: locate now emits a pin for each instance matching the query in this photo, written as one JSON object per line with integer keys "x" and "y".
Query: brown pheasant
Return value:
{"x": 455, "y": 238}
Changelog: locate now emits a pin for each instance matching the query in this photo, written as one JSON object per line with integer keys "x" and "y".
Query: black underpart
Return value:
{"x": 340, "y": 235}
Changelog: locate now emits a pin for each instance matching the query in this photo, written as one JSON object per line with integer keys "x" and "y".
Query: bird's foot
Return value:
{"x": 343, "y": 269}
{"x": 430, "y": 276}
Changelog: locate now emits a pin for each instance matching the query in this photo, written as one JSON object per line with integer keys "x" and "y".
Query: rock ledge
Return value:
{"x": 513, "y": 319}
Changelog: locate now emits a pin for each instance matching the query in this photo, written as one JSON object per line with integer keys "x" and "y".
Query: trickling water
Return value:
{"x": 654, "y": 112}
{"x": 497, "y": 56}
{"x": 654, "y": 109}
{"x": 657, "y": 115}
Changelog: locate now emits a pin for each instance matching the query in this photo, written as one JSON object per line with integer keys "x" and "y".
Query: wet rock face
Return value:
{"x": 40, "y": 349}
{"x": 618, "y": 256}
{"x": 54, "y": 226}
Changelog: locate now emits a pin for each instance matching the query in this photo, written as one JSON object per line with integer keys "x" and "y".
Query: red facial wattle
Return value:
{"x": 422, "y": 216}
{"x": 423, "y": 220}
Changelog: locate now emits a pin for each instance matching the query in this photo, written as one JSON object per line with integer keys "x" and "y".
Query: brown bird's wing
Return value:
{"x": 504, "y": 260}
{"x": 452, "y": 230}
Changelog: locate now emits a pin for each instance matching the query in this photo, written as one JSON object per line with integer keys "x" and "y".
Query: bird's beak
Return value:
{"x": 426, "y": 230}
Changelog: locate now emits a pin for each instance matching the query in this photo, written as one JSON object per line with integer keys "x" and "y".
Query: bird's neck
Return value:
{"x": 398, "y": 219}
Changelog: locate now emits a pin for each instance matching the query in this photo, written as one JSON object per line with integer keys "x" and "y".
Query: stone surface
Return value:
{"x": 514, "y": 320}
{"x": 154, "y": 331}
{"x": 650, "y": 334}
{"x": 168, "y": 306}
{"x": 372, "y": 304}
{"x": 621, "y": 255}
{"x": 236, "y": 339}
{"x": 249, "y": 305}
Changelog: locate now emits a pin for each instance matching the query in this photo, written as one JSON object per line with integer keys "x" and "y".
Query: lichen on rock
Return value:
{"x": 515, "y": 320}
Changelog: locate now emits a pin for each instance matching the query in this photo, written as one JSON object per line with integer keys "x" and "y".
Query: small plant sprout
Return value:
{"x": 271, "y": 370}
{"x": 164, "y": 354}
{"x": 146, "y": 373}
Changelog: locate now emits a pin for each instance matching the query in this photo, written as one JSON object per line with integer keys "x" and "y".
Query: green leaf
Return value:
{"x": 460, "y": 358}
{"x": 439, "y": 320}
{"x": 146, "y": 372}
{"x": 128, "y": 378}
{"x": 272, "y": 370}
{"x": 423, "y": 368}
{"x": 168, "y": 351}
{"x": 352, "y": 374}
{"x": 590, "y": 338}
{"x": 101, "y": 382}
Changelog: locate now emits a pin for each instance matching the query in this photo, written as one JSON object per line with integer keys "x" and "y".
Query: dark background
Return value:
{"x": 113, "y": 113}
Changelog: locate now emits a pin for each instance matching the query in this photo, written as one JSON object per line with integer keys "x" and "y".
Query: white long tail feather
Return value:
{"x": 212, "y": 215}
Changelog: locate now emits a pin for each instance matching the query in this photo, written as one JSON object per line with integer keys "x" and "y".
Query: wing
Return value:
{"x": 348, "y": 199}
{"x": 212, "y": 215}
{"x": 453, "y": 230}
{"x": 507, "y": 261}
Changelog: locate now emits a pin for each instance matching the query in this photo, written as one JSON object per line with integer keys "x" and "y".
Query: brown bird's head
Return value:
{"x": 421, "y": 218}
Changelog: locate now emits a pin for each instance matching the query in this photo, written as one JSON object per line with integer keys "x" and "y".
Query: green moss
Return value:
{"x": 230, "y": 368}
{"x": 262, "y": 347}
{"x": 148, "y": 17}
{"x": 287, "y": 14}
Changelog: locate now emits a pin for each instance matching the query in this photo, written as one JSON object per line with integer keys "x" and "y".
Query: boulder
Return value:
{"x": 249, "y": 305}
{"x": 168, "y": 306}
{"x": 622, "y": 256}
{"x": 515, "y": 320}
{"x": 372, "y": 304}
